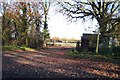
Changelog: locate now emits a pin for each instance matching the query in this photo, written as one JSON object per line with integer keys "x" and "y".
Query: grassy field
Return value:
{"x": 63, "y": 44}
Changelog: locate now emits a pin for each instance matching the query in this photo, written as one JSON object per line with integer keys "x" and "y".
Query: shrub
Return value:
{"x": 59, "y": 44}
{"x": 90, "y": 52}
{"x": 74, "y": 52}
{"x": 10, "y": 48}
{"x": 84, "y": 52}
{"x": 35, "y": 43}
{"x": 92, "y": 49}
{"x": 116, "y": 50}
{"x": 75, "y": 56}
{"x": 105, "y": 50}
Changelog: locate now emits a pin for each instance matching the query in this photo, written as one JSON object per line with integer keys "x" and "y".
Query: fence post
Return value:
{"x": 78, "y": 46}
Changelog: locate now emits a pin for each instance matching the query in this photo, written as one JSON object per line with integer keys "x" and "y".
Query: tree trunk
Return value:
{"x": 26, "y": 38}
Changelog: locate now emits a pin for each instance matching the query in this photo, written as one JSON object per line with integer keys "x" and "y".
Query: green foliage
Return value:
{"x": 75, "y": 56}
{"x": 71, "y": 52}
{"x": 78, "y": 46}
{"x": 92, "y": 41}
{"x": 85, "y": 53}
{"x": 90, "y": 52}
{"x": 11, "y": 48}
{"x": 105, "y": 50}
{"x": 109, "y": 51}
{"x": 74, "y": 52}
{"x": 46, "y": 34}
{"x": 59, "y": 44}
{"x": 66, "y": 53}
{"x": 35, "y": 42}
{"x": 104, "y": 55}
{"x": 116, "y": 50}
{"x": 18, "y": 29}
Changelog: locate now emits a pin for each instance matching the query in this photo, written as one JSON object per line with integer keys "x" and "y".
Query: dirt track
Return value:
{"x": 52, "y": 63}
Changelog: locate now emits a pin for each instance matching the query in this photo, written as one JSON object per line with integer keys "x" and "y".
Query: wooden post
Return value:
{"x": 98, "y": 41}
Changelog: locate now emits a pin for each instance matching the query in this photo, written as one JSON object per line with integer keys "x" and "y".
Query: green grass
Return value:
{"x": 0, "y": 48}
{"x": 75, "y": 54}
{"x": 63, "y": 44}
{"x": 26, "y": 48}
{"x": 94, "y": 57}
{"x": 12, "y": 48}
{"x": 85, "y": 55}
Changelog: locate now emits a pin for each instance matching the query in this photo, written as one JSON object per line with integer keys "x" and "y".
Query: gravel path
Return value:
{"x": 52, "y": 63}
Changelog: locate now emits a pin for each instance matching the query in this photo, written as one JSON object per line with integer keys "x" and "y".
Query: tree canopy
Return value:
{"x": 103, "y": 12}
{"x": 23, "y": 23}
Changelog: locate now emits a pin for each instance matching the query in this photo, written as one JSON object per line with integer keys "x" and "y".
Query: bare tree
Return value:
{"x": 103, "y": 12}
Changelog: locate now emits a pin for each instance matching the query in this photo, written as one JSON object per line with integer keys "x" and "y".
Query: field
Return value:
{"x": 64, "y": 44}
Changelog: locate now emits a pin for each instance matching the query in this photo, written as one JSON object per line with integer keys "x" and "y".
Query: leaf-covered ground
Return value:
{"x": 52, "y": 63}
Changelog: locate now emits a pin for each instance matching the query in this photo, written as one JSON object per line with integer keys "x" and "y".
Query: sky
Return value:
{"x": 59, "y": 27}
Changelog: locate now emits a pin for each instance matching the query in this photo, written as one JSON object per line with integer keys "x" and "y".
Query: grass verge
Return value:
{"x": 94, "y": 57}
{"x": 13, "y": 48}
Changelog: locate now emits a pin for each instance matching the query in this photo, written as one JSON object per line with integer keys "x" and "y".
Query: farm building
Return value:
{"x": 89, "y": 41}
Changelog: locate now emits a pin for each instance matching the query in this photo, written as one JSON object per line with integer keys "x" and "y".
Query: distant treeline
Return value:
{"x": 63, "y": 40}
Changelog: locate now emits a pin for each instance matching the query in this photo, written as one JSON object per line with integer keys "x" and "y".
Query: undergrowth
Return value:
{"x": 12, "y": 48}
{"x": 93, "y": 56}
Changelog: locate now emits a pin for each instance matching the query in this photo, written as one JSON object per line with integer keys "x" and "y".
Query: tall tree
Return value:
{"x": 28, "y": 15}
{"x": 19, "y": 20}
{"x": 103, "y": 12}
{"x": 46, "y": 9}
{"x": 6, "y": 26}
